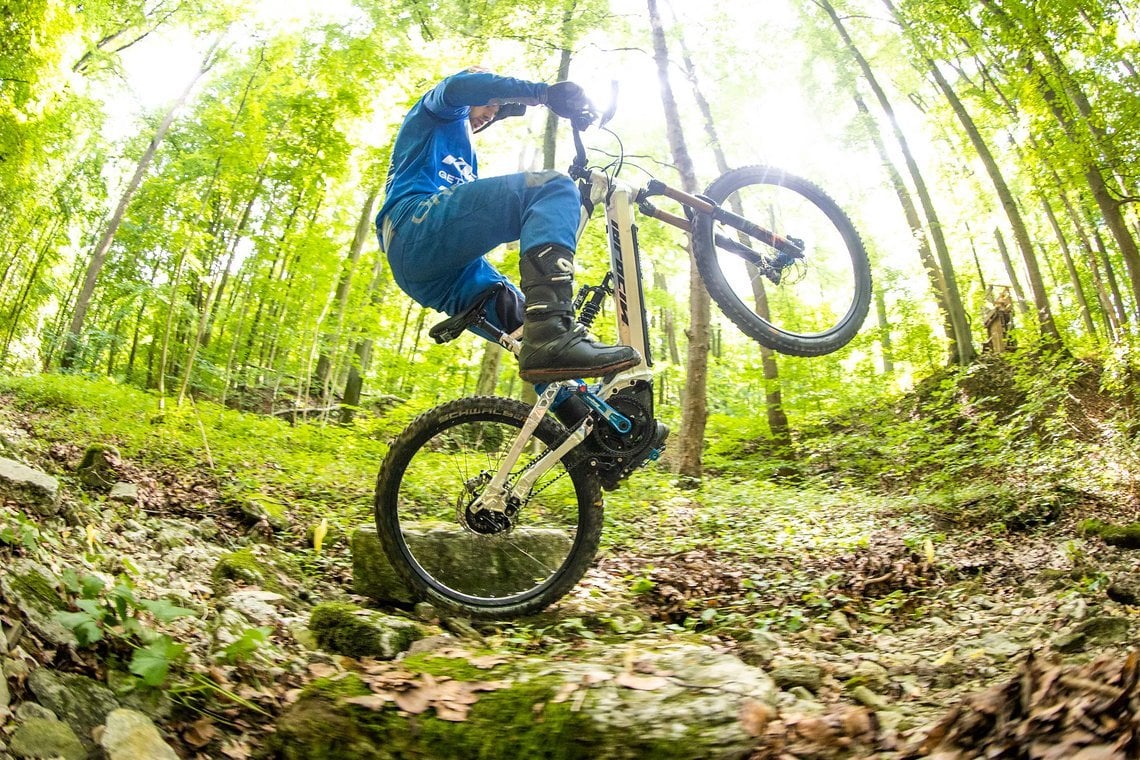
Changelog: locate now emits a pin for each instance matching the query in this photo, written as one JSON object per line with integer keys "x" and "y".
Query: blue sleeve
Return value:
{"x": 451, "y": 98}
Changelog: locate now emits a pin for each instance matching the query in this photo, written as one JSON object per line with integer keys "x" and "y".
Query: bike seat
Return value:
{"x": 452, "y": 327}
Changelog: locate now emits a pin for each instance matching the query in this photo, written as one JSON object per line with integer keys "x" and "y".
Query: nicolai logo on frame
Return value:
{"x": 619, "y": 273}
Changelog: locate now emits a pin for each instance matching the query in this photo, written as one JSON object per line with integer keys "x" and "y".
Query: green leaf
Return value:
{"x": 93, "y": 607}
{"x": 249, "y": 642}
{"x": 82, "y": 624}
{"x": 91, "y": 586}
{"x": 165, "y": 610}
{"x": 124, "y": 599}
{"x": 152, "y": 663}
{"x": 70, "y": 580}
{"x": 642, "y": 585}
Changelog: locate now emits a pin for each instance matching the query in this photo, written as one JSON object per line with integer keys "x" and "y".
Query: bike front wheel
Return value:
{"x": 487, "y": 564}
{"x": 786, "y": 264}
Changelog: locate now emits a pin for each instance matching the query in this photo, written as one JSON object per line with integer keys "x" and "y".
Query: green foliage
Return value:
{"x": 117, "y": 613}
{"x": 243, "y": 648}
{"x": 311, "y": 466}
{"x": 1124, "y": 536}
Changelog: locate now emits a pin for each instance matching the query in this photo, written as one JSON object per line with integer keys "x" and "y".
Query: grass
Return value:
{"x": 308, "y": 466}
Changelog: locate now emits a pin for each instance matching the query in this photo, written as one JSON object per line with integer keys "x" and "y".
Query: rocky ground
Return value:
{"x": 819, "y": 623}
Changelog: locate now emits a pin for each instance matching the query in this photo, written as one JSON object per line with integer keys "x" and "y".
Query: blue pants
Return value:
{"x": 437, "y": 251}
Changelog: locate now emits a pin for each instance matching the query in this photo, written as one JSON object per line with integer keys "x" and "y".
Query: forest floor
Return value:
{"x": 896, "y": 622}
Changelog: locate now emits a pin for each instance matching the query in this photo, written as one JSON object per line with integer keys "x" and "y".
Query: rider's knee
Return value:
{"x": 509, "y": 309}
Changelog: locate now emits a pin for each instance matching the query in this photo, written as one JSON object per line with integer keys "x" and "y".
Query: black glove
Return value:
{"x": 569, "y": 101}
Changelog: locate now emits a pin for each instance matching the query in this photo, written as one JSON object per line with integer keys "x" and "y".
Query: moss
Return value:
{"x": 37, "y": 589}
{"x": 336, "y": 688}
{"x": 516, "y": 721}
{"x": 244, "y": 567}
{"x": 354, "y": 631}
{"x": 1124, "y": 536}
{"x": 451, "y": 667}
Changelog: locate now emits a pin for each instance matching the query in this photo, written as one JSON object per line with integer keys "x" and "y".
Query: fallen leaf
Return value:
{"x": 641, "y": 683}
{"x": 414, "y": 701}
{"x": 200, "y": 733}
{"x": 596, "y": 676}
{"x": 815, "y": 730}
{"x": 323, "y": 669}
{"x": 564, "y": 693}
{"x": 371, "y": 701}
{"x": 857, "y": 722}
{"x": 754, "y": 716}
{"x": 453, "y": 713}
{"x": 236, "y": 750}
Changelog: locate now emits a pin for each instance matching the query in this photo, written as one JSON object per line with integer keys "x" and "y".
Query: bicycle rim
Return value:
{"x": 484, "y": 563}
{"x": 816, "y": 302}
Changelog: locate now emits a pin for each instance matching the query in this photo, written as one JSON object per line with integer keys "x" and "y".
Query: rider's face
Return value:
{"x": 481, "y": 116}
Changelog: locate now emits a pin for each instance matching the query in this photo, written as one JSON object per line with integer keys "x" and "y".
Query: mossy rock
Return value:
{"x": 260, "y": 507}
{"x": 33, "y": 589}
{"x": 97, "y": 470}
{"x": 77, "y": 700}
{"x": 46, "y": 738}
{"x": 266, "y": 569}
{"x": 531, "y": 708}
{"x": 357, "y": 632}
{"x": 1124, "y": 536}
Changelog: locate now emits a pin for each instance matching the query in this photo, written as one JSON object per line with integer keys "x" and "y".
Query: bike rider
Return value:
{"x": 439, "y": 221}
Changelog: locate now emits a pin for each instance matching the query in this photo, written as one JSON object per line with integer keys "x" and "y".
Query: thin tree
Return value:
{"x": 694, "y": 407}
{"x": 99, "y": 255}
{"x": 773, "y": 395}
{"x": 957, "y": 312}
{"x": 1001, "y": 187}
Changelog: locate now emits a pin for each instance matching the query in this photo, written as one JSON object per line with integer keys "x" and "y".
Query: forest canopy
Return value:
{"x": 188, "y": 187}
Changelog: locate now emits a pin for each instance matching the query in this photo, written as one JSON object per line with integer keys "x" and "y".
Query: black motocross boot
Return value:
{"x": 554, "y": 346}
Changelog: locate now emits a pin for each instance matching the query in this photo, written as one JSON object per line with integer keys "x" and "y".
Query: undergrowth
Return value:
{"x": 1008, "y": 440}
{"x": 304, "y": 465}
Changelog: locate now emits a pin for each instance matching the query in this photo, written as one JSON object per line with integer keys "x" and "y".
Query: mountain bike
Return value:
{"x": 492, "y": 508}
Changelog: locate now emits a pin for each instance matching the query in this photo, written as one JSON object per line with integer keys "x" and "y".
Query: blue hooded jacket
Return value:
{"x": 433, "y": 150}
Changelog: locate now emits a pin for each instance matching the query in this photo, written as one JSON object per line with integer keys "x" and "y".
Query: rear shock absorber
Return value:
{"x": 589, "y": 301}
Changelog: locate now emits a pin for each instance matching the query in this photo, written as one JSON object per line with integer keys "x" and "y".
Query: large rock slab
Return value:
{"x": 32, "y": 489}
{"x": 459, "y": 556}
{"x": 682, "y": 702}
{"x": 77, "y": 700}
{"x": 31, "y": 588}
{"x": 130, "y": 735}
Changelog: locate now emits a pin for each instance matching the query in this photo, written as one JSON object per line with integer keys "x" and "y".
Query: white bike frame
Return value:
{"x": 632, "y": 329}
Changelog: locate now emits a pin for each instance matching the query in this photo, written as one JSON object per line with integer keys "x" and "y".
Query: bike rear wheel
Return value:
{"x": 481, "y": 563}
{"x": 807, "y": 292}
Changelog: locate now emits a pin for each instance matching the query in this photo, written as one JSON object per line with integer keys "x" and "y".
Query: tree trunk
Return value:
{"x": 354, "y": 385}
{"x": 1005, "y": 196}
{"x": 694, "y": 407}
{"x": 489, "y": 368}
{"x": 1010, "y": 270}
{"x": 550, "y": 132}
{"x": 18, "y": 307}
{"x": 364, "y": 227}
{"x": 773, "y": 395}
{"x": 1071, "y": 267}
{"x": 884, "y": 332}
{"x": 99, "y": 255}
{"x": 961, "y": 327}
{"x": 668, "y": 326}
{"x": 914, "y": 223}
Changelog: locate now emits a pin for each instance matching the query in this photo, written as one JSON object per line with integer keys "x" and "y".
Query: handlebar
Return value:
{"x": 578, "y": 166}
